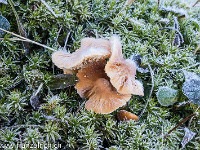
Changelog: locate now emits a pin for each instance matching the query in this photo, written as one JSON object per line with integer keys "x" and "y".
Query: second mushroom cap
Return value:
{"x": 122, "y": 71}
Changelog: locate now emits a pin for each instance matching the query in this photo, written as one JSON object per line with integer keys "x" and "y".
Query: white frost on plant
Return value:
{"x": 175, "y": 10}
{"x": 191, "y": 87}
{"x": 189, "y": 135}
{"x": 164, "y": 20}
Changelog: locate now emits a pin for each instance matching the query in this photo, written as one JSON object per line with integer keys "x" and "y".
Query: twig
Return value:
{"x": 196, "y": 49}
{"x": 183, "y": 104}
{"x": 21, "y": 29}
{"x": 184, "y": 120}
{"x": 66, "y": 40}
{"x": 13, "y": 39}
{"x": 49, "y": 8}
{"x": 182, "y": 16}
{"x": 128, "y": 2}
{"x": 152, "y": 82}
{"x": 58, "y": 34}
{"x": 22, "y": 126}
{"x": 192, "y": 118}
{"x": 196, "y": 3}
{"x": 28, "y": 40}
{"x": 38, "y": 90}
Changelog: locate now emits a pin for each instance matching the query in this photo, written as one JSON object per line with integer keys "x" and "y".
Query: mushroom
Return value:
{"x": 125, "y": 115}
{"x": 107, "y": 86}
{"x": 90, "y": 50}
{"x": 122, "y": 71}
{"x": 88, "y": 75}
{"x": 94, "y": 84}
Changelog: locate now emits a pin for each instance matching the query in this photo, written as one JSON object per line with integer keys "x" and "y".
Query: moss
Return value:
{"x": 62, "y": 117}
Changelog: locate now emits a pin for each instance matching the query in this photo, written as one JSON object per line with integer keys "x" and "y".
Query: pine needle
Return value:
{"x": 196, "y": 49}
{"x": 28, "y": 40}
{"x": 196, "y": 3}
{"x": 21, "y": 29}
{"x": 49, "y": 8}
{"x": 128, "y": 2}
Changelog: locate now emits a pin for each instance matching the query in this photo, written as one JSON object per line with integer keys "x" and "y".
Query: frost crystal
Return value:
{"x": 175, "y": 10}
{"x": 166, "y": 95}
{"x": 164, "y": 20}
{"x": 191, "y": 87}
{"x": 188, "y": 136}
{"x": 4, "y": 1}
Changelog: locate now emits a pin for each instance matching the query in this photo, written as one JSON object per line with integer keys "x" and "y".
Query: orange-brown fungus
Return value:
{"x": 88, "y": 75}
{"x": 124, "y": 115}
{"x": 122, "y": 71}
{"x": 104, "y": 99}
{"x": 94, "y": 84}
{"x": 90, "y": 50}
{"x": 108, "y": 86}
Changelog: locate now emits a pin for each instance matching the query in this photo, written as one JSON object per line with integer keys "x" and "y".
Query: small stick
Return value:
{"x": 196, "y": 49}
{"x": 128, "y": 2}
{"x": 38, "y": 90}
{"x": 152, "y": 82}
{"x": 196, "y": 3}
{"x": 49, "y": 8}
{"x": 28, "y": 40}
{"x": 183, "y": 104}
{"x": 66, "y": 40}
{"x": 184, "y": 120}
{"x": 58, "y": 33}
{"x": 14, "y": 39}
{"x": 21, "y": 29}
{"x": 182, "y": 16}
{"x": 192, "y": 118}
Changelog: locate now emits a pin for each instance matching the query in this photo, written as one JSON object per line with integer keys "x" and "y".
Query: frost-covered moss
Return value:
{"x": 62, "y": 118}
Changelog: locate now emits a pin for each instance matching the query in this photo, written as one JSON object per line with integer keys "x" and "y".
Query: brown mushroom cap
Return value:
{"x": 90, "y": 50}
{"x": 125, "y": 115}
{"x": 94, "y": 84}
{"x": 122, "y": 71}
{"x": 104, "y": 99}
